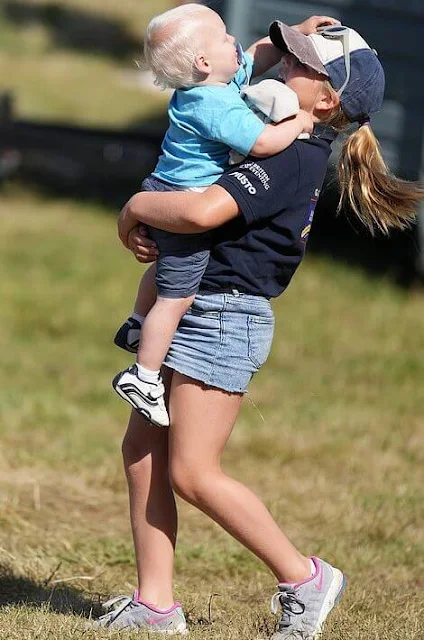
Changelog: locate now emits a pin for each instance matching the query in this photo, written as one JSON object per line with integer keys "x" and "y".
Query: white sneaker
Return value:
{"x": 147, "y": 398}
{"x": 306, "y": 605}
{"x": 128, "y": 613}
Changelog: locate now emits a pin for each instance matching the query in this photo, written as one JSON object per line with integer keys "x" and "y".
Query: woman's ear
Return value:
{"x": 326, "y": 101}
{"x": 202, "y": 64}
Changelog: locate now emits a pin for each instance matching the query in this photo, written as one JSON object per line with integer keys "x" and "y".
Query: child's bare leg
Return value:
{"x": 179, "y": 273}
{"x": 141, "y": 384}
{"x": 158, "y": 330}
{"x": 146, "y": 296}
{"x": 128, "y": 335}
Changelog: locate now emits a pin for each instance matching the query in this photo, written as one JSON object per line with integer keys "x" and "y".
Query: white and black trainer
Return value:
{"x": 147, "y": 398}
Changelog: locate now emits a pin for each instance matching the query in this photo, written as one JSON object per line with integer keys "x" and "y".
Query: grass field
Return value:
{"x": 55, "y": 72}
{"x": 331, "y": 435}
{"x": 332, "y": 439}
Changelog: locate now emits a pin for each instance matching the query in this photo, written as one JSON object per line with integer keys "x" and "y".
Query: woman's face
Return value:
{"x": 307, "y": 83}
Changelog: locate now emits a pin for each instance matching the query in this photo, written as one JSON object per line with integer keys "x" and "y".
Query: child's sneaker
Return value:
{"x": 128, "y": 336}
{"x": 307, "y": 604}
{"x": 146, "y": 397}
{"x": 128, "y": 613}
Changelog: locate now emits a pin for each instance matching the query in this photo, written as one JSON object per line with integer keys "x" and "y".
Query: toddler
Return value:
{"x": 188, "y": 49}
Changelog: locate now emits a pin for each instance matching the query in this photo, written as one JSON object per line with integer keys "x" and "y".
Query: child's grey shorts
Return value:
{"x": 223, "y": 339}
{"x": 182, "y": 259}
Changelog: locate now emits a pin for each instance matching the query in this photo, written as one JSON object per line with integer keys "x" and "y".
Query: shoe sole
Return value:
{"x": 333, "y": 596}
{"x": 132, "y": 629}
{"x": 140, "y": 410}
{"x": 165, "y": 632}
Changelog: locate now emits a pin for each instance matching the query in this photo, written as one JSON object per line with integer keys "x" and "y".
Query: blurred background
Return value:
{"x": 78, "y": 116}
{"x": 336, "y": 413}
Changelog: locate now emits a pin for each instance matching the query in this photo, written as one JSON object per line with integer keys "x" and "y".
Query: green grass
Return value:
{"x": 332, "y": 439}
{"x": 49, "y": 80}
{"x": 330, "y": 436}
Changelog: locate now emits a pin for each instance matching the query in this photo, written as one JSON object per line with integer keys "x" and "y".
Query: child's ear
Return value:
{"x": 202, "y": 64}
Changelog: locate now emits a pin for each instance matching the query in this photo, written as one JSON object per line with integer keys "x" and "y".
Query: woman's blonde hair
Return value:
{"x": 171, "y": 43}
{"x": 378, "y": 198}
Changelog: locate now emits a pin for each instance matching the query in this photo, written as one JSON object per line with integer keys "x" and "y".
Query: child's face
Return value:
{"x": 218, "y": 50}
{"x": 306, "y": 82}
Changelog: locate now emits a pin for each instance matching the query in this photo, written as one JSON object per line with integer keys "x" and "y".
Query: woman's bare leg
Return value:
{"x": 153, "y": 512}
{"x": 202, "y": 421}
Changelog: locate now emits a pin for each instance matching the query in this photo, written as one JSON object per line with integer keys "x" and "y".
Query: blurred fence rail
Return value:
{"x": 101, "y": 162}
{"x": 109, "y": 165}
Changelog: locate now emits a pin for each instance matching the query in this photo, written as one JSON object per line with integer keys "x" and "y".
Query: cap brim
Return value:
{"x": 290, "y": 40}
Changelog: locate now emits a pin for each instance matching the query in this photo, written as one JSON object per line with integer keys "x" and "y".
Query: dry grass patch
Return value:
{"x": 332, "y": 438}
{"x": 332, "y": 441}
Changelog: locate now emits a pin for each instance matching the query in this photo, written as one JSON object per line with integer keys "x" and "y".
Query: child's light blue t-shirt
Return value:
{"x": 204, "y": 123}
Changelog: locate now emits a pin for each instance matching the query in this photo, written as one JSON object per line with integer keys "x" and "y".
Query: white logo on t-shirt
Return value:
{"x": 259, "y": 172}
{"x": 244, "y": 181}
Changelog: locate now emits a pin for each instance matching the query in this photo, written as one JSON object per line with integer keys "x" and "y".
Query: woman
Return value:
{"x": 266, "y": 207}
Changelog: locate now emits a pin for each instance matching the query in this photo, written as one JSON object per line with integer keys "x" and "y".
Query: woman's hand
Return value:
{"x": 143, "y": 248}
{"x": 312, "y": 24}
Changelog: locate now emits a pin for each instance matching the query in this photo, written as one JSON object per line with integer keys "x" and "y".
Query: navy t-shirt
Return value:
{"x": 259, "y": 251}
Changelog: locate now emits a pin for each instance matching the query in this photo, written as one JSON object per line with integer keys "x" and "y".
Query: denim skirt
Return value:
{"x": 223, "y": 339}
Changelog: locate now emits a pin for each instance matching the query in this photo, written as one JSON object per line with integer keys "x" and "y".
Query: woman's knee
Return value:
{"x": 142, "y": 441}
{"x": 190, "y": 481}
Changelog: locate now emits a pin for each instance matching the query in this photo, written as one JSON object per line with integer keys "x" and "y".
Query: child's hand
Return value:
{"x": 312, "y": 24}
{"x": 306, "y": 121}
{"x": 143, "y": 248}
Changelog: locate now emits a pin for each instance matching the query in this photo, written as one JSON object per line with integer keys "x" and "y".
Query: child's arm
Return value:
{"x": 312, "y": 24}
{"x": 265, "y": 55}
{"x": 277, "y": 137}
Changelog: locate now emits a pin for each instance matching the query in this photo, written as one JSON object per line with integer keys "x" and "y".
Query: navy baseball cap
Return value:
{"x": 342, "y": 55}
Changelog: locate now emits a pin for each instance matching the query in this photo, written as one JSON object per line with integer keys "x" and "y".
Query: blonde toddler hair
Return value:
{"x": 172, "y": 41}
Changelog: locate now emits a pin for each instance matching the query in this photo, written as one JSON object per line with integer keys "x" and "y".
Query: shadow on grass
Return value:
{"x": 75, "y": 29}
{"x": 21, "y": 590}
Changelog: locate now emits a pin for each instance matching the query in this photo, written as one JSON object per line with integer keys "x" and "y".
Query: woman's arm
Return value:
{"x": 178, "y": 212}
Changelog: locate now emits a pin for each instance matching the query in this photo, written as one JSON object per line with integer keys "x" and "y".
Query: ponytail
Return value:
{"x": 379, "y": 199}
